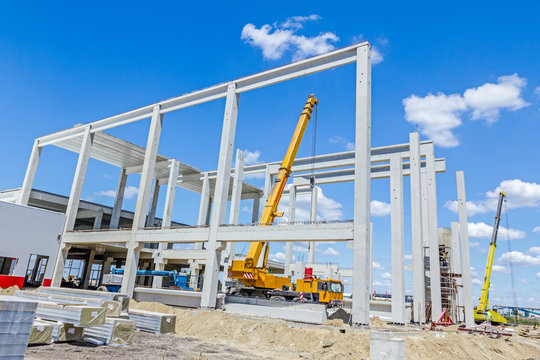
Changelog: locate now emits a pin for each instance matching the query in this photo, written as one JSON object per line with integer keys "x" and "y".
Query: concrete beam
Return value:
{"x": 362, "y": 189}
{"x": 118, "y": 200}
{"x": 151, "y": 218}
{"x": 30, "y": 174}
{"x": 289, "y": 247}
{"x": 397, "y": 240}
{"x": 234, "y": 212}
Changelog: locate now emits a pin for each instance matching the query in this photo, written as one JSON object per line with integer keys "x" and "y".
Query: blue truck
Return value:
{"x": 177, "y": 280}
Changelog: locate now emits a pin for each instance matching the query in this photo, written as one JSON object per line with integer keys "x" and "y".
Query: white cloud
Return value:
{"x": 386, "y": 275}
{"x": 500, "y": 268}
{"x": 518, "y": 194}
{"x": 252, "y": 157}
{"x": 129, "y": 192}
{"x": 379, "y": 208}
{"x": 535, "y": 250}
{"x": 538, "y": 275}
{"x": 331, "y": 252}
{"x": 246, "y": 208}
{"x": 377, "y": 266}
{"x": 342, "y": 141}
{"x": 408, "y": 257}
{"x": 438, "y": 115}
{"x": 274, "y": 40}
{"x": 476, "y": 281}
{"x": 483, "y": 230}
{"x": 279, "y": 256}
{"x": 488, "y": 100}
{"x": 327, "y": 208}
{"x": 519, "y": 258}
{"x": 523, "y": 281}
{"x": 537, "y": 91}
{"x": 376, "y": 55}
{"x": 537, "y": 230}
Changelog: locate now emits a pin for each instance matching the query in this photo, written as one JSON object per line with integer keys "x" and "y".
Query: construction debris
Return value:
{"x": 114, "y": 331}
{"x": 157, "y": 323}
{"x": 16, "y": 319}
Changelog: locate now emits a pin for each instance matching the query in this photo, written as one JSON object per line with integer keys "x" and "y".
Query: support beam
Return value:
{"x": 362, "y": 189}
{"x": 465, "y": 256}
{"x": 397, "y": 240}
{"x": 167, "y": 219}
{"x": 419, "y": 302}
{"x": 134, "y": 248}
{"x": 434, "y": 264}
{"x": 118, "y": 200}
{"x": 313, "y": 219}
{"x": 255, "y": 210}
{"x": 455, "y": 264}
{"x": 289, "y": 247}
{"x": 30, "y": 174}
{"x": 88, "y": 269}
{"x": 73, "y": 202}
{"x": 234, "y": 213}
{"x": 151, "y": 218}
{"x": 98, "y": 220}
{"x": 211, "y": 273}
{"x": 204, "y": 206}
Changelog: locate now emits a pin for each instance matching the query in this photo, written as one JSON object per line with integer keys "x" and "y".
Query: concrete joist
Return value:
{"x": 465, "y": 256}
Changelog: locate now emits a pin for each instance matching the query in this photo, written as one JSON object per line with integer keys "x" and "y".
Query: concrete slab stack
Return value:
{"x": 114, "y": 331}
{"x": 73, "y": 314}
{"x": 157, "y": 323}
{"x": 16, "y": 319}
{"x": 63, "y": 332}
{"x": 41, "y": 333}
{"x": 123, "y": 298}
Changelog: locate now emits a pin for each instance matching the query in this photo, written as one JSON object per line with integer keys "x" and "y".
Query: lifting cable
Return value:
{"x": 510, "y": 252}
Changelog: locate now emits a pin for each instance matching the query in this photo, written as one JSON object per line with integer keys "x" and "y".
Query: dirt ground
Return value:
{"x": 218, "y": 335}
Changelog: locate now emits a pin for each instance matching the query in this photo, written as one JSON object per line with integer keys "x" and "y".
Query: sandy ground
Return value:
{"x": 217, "y": 335}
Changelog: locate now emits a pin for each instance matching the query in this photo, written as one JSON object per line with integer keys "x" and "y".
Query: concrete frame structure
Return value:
{"x": 216, "y": 187}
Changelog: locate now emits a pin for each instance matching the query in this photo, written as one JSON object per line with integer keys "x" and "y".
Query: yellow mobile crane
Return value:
{"x": 259, "y": 281}
{"x": 480, "y": 312}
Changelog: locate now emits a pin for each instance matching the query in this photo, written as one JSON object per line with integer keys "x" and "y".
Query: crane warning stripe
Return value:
{"x": 248, "y": 275}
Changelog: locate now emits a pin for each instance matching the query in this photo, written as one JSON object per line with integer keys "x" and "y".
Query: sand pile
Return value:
{"x": 376, "y": 322}
{"x": 279, "y": 340}
{"x": 10, "y": 290}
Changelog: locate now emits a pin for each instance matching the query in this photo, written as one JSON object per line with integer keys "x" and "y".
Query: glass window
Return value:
{"x": 336, "y": 287}
{"x": 7, "y": 265}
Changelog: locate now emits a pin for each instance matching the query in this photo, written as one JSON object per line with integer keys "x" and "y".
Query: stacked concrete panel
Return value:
{"x": 41, "y": 333}
{"x": 104, "y": 295}
{"x": 72, "y": 314}
{"x": 114, "y": 331}
{"x": 153, "y": 322}
{"x": 113, "y": 307}
{"x": 62, "y": 332}
{"x": 16, "y": 319}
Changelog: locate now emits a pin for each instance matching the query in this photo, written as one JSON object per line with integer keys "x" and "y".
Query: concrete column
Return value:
{"x": 289, "y": 247}
{"x": 397, "y": 240}
{"x": 143, "y": 197}
{"x": 118, "y": 200}
{"x": 151, "y": 218}
{"x": 221, "y": 194}
{"x": 434, "y": 264}
{"x": 299, "y": 270}
{"x": 313, "y": 218}
{"x": 167, "y": 219}
{"x": 362, "y": 190}
{"x": 267, "y": 184}
{"x": 455, "y": 264}
{"x": 88, "y": 268}
{"x": 236, "y": 198}
{"x": 30, "y": 174}
{"x": 371, "y": 259}
{"x": 465, "y": 256}
{"x": 419, "y": 302}
{"x": 98, "y": 219}
{"x": 195, "y": 273}
{"x": 107, "y": 263}
{"x": 73, "y": 202}
{"x": 255, "y": 211}
{"x": 204, "y": 206}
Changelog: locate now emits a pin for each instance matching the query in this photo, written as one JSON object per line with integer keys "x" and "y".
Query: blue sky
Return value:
{"x": 466, "y": 74}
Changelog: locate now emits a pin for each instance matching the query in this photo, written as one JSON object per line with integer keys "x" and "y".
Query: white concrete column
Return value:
{"x": 30, "y": 174}
{"x": 88, "y": 268}
{"x": 143, "y": 197}
{"x": 465, "y": 256}
{"x": 255, "y": 210}
{"x": 236, "y": 197}
{"x": 167, "y": 219}
{"x": 267, "y": 184}
{"x": 434, "y": 264}
{"x": 118, "y": 200}
{"x": 419, "y": 302}
{"x": 397, "y": 240}
{"x": 194, "y": 274}
{"x": 204, "y": 206}
{"x": 73, "y": 202}
{"x": 98, "y": 219}
{"x": 289, "y": 247}
{"x": 221, "y": 194}
{"x": 154, "y": 197}
{"x": 362, "y": 189}
{"x": 313, "y": 219}
{"x": 455, "y": 264}
{"x": 299, "y": 270}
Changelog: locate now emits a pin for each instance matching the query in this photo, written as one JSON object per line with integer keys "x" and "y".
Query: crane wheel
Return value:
{"x": 277, "y": 298}
{"x": 102, "y": 288}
